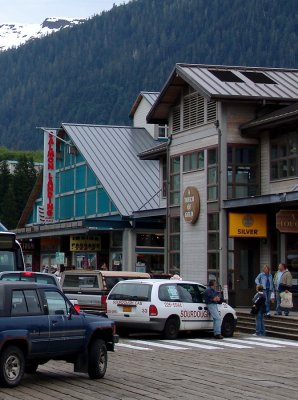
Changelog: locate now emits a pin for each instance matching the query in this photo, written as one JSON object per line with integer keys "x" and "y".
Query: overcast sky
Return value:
{"x": 35, "y": 11}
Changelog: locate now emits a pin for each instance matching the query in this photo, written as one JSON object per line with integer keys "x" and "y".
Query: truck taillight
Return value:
{"x": 104, "y": 302}
{"x": 77, "y": 308}
{"x": 153, "y": 310}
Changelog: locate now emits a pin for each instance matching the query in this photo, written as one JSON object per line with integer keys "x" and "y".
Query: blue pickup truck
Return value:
{"x": 38, "y": 323}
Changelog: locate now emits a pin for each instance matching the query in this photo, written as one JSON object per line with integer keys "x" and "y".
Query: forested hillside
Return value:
{"x": 93, "y": 72}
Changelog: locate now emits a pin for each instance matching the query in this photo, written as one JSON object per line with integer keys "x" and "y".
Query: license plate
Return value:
{"x": 126, "y": 308}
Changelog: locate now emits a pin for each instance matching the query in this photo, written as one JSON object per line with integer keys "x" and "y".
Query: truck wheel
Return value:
{"x": 228, "y": 326}
{"x": 171, "y": 329}
{"x": 98, "y": 359}
{"x": 12, "y": 366}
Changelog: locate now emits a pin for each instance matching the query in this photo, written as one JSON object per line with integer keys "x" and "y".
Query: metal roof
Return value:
{"x": 155, "y": 152}
{"x": 149, "y": 96}
{"x": 112, "y": 154}
{"x": 226, "y": 82}
{"x": 285, "y": 114}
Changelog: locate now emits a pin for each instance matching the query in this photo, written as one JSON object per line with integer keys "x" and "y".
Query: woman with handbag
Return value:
{"x": 282, "y": 283}
{"x": 258, "y": 309}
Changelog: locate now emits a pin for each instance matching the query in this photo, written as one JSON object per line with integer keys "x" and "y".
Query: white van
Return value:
{"x": 166, "y": 306}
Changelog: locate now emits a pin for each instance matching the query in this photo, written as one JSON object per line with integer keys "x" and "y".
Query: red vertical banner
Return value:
{"x": 49, "y": 173}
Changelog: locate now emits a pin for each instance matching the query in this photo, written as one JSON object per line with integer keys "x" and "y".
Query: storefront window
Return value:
{"x": 284, "y": 155}
{"x": 213, "y": 246}
{"x": 212, "y": 174}
{"x": 175, "y": 181}
{"x": 150, "y": 240}
{"x": 85, "y": 260}
{"x": 164, "y": 177}
{"x": 242, "y": 172}
{"x": 174, "y": 253}
{"x": 292, "y": 256}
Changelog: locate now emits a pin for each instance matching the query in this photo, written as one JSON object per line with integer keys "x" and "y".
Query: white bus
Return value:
{"x": 11, "y": 254}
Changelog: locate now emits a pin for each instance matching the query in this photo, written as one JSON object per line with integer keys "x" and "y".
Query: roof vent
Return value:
{"x": 225, "y": 75}
{"x": 258, "y": 77}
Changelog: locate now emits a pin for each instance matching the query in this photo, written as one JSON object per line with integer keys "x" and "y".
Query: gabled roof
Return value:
{"x": 112, "y": 154}
{"x": 149, "y": 96}
{"x": 226, "y": 82}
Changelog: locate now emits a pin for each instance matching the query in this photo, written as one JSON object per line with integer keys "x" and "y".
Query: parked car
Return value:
{"x": 29, "y": 276}
{"x": 166, "y": 306}
{"x": 89, "y": 288}
{"x": 38, "y": 323}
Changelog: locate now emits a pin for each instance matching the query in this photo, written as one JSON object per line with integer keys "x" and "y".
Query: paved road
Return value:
{"x": 244, "y": 367}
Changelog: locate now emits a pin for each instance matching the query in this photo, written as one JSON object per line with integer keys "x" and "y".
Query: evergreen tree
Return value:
{"x": 93, "y": 72}
{"x": 9, "y": 216}
{"x": 24, "y": 178}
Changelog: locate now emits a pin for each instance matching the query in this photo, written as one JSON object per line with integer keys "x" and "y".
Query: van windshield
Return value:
{"x": 131, "y": 291}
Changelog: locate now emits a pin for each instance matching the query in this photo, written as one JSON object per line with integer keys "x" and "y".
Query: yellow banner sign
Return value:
{"x": 85, "y": 243}
{"x": 248, "y": 225}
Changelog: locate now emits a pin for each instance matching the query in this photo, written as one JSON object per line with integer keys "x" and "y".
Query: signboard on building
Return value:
{"x": 85, "y": 243}
{"x": 47, "y": 212}
{"x": 248, "y": 225}
{"x": 287, "y": 221}
{"x": 191, "y": 204}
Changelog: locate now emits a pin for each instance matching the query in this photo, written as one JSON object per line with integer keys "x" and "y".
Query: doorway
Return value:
{"x": 247, "y": 267}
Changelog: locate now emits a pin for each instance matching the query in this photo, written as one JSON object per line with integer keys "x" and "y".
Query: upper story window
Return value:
{"x": 212, "y": 174}
{"x": 243, "y": 172}
{"x": 284, "y": 156}
{"x": 163, "y": 131}
{"x": 194, "y": 111}
{"x": 193, "y": 161}
{"x": 175, "y": 181}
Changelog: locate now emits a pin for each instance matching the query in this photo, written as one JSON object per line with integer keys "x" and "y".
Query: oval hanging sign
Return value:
{"x": 191, "y": 204}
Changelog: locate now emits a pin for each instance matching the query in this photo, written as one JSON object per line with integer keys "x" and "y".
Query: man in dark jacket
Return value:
{"x": 212, "y": 298}
{"x": 259, "y": 303}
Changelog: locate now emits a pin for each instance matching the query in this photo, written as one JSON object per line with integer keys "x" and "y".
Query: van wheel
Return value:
{"x": 171, "y": 328}
{"x": 228, "y": 326}
{"x": 98, "y": 359}
{"x": 12, "y": 366}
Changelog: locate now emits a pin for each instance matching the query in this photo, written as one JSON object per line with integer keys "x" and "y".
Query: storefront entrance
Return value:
{"x": 247, "y": 267}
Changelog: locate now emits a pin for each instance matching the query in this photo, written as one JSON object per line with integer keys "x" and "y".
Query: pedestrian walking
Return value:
{"x": 212, "y": 298}
{"x": 259, "y": 307}
{"x": 283, "y": 283}
{"x": 265, "y": 279}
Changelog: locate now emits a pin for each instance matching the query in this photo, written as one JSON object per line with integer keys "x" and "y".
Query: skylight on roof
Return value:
{"x": 258, "y": 77}
{"x": 225, "y": 75}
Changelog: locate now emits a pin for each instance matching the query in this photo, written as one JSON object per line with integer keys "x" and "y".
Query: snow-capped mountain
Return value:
{"x": 13, "y": 35}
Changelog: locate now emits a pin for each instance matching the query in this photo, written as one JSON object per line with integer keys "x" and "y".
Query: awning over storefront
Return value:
{"x": 71, "y": 228}
{"x": 289, "y": 198}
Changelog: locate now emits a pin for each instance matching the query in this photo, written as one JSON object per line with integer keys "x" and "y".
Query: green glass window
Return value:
{"x": 91, "y": 202}
{"x": 67, "y": 181}
{"x": 103, "y": 201}
{"x": 91, "y": 178}
{"x": 81, "y": 177}
{"x": 66, "y": 207}
{"x": 80, "y": 204}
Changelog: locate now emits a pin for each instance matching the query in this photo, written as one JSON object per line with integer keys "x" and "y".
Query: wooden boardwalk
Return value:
{"x": 154, "y": 370}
